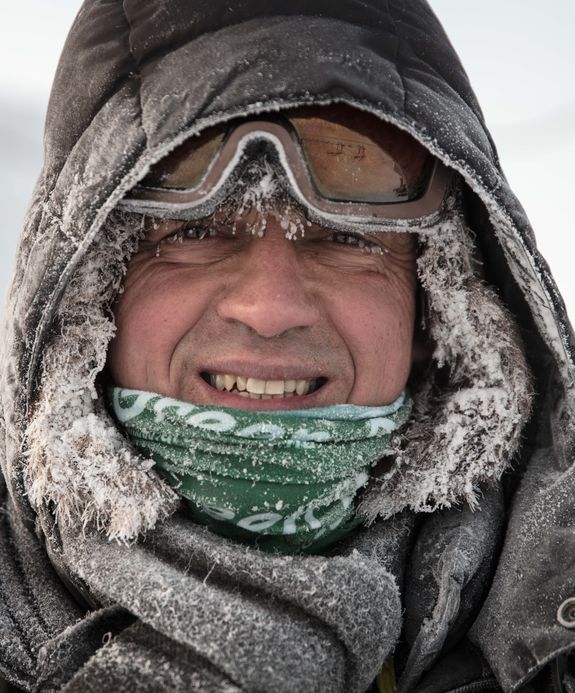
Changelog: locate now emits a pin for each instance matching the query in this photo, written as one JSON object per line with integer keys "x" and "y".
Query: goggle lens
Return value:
{"x": 354, "y": 156}
{"x": 351, "y": 156}
{"x": 186, "y": 166}
{"x": 340, "y": 161}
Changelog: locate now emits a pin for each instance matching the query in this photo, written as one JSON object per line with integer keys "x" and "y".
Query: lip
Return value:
{"x": 229, "y": 399}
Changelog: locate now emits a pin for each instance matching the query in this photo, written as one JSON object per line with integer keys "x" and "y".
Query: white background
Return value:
{"x": 519, "y": 54}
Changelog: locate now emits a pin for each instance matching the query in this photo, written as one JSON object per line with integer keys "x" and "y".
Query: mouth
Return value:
{"x": 256, "y": 388}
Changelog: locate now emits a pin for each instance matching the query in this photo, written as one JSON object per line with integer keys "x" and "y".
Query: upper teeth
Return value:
{"x": 261, "y": 389}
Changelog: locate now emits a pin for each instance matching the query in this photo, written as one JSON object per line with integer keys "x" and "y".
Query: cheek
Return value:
{"x": 151, "y": 316}
{"x": 146, "y": 321}
{"x": 376, "y": 321}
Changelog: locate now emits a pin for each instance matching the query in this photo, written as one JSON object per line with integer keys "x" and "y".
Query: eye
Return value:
{"x": 355, "y": 241}
{"x": 195, "y": 232}
{"x": 346, "y": 239}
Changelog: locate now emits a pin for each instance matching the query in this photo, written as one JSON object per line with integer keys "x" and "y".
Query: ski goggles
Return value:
{"x": 339, "y": 162}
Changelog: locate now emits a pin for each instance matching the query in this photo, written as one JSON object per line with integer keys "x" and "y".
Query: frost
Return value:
{"x": 472, "y": 403}
{"x": 78, "y": 459}
{"x": 261, "y": 195}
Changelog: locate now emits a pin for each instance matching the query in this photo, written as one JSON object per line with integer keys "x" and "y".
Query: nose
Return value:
{"x": 270, "y": 292}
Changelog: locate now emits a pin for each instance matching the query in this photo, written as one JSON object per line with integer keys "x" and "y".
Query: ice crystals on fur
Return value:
{"x": 78, "y": 459}
{"x": 471, "y": 407}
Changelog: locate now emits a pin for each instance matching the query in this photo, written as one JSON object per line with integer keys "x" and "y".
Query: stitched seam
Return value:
{"x": 17, "y": 625}
{"x": 137, "y": 70}
{"x": 396, "y": 58}
{"x": 22, "y": 640}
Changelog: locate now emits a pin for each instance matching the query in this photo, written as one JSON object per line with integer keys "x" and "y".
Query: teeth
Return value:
{"x": 258, "y": 387}
{"x": 255, "y": 388}
{"x": 275, "y": 387}
{"x": 302, "y": 387}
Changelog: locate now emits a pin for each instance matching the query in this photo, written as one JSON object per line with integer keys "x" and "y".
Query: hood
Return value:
{"x": 137, "y": 79}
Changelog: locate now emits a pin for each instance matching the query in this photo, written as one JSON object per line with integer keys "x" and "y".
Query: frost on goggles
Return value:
{"x": 350, "y": 156}
{"x": 338, "y": 160}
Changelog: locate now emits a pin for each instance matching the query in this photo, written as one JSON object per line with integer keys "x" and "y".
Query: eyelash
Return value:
{"x": 358, "y": 242}
{"x": 181, "y": 234}
{"x": 337, "y": 237}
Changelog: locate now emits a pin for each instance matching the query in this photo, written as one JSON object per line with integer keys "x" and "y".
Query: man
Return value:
{"x": 287, "y": 395}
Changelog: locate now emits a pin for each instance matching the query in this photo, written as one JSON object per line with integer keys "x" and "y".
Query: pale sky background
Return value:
{"x": 519, "y": 54}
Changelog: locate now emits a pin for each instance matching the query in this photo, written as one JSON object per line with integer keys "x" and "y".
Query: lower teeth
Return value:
{"x": 253, "y": 395}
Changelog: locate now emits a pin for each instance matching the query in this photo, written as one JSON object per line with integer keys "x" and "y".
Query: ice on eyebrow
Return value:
{"x": 259, "y": 195}
{"x": 263, "y": 193}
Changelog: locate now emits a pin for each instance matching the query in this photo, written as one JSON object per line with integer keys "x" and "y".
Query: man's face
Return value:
{"x": 218, "y": 316}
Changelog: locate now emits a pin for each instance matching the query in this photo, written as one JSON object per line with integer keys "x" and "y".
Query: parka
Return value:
{"x": 105, "y": 585}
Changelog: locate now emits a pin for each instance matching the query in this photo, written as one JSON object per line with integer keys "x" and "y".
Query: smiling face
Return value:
{"x": 215, "y": 315}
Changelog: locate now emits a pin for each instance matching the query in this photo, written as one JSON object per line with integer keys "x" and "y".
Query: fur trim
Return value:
{"x": 469, "y": 413}
{"x": 78, "y": 459}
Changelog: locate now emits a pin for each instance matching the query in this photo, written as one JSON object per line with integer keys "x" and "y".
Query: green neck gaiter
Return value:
{"x": 285, "y": 481}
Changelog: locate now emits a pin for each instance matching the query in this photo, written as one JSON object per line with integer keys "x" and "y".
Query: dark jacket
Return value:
{"x": 134, "y": 80}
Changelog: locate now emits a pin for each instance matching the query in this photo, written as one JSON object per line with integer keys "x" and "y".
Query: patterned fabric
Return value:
{"x": 285, "y": 479}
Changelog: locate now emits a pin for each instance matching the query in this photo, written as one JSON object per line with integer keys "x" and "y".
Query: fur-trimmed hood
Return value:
{"x": 135, "y": 80}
